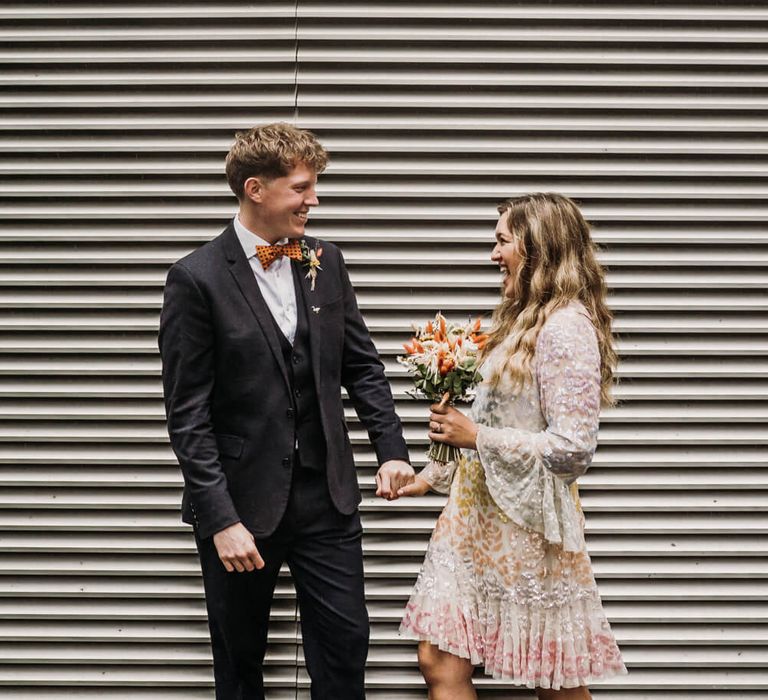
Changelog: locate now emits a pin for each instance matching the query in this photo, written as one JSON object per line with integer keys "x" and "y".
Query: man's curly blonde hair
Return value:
{"x": 271, "y": 151}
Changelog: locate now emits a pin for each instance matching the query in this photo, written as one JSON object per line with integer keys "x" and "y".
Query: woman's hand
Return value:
{"x": 418, "y": 487}
{"x": 449, "y": 425}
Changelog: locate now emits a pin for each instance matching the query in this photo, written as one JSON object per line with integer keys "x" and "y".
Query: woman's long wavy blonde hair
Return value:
{"x": 558, "y": 265}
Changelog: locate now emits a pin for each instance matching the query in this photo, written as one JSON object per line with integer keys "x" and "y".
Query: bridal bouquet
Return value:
{"x": 442, "y": 359}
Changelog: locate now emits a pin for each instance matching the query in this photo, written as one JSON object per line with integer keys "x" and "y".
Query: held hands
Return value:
{"x": 448, "y": 424}
{"x": 237, "y": 549}
{"x": 418, "y": 487}
{"x": 391, "y": 477}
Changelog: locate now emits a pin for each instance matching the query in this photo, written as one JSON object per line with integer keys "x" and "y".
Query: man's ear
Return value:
{"x": 253, "y": 189}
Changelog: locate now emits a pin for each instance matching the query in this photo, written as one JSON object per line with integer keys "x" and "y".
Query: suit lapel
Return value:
{"x": 240, "y": 269}
{"x": 304, "y": 297}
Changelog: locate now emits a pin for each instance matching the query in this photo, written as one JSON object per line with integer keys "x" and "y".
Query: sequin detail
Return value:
{"x": 507, "y": 581}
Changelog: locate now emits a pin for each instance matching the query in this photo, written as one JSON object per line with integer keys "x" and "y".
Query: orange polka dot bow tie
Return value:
{"x": 267, "y": 254}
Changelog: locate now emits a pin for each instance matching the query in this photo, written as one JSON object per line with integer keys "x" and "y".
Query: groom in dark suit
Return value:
{"x": 259, "y": 331}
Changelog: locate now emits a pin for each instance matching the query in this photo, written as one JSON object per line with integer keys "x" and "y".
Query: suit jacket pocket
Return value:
{"x": 335, "y": 303}
{"x": 230, "y": 445}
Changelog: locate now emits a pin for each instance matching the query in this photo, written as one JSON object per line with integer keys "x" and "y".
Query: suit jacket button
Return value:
{"x": 289, "y": 413}
{"x": 286, "y": 461}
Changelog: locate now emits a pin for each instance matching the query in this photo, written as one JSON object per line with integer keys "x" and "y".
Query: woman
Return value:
{"x": 507, "y": 581}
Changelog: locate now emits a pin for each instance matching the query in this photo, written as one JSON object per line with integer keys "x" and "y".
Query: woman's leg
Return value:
{"x": 580, "y": 693}
{"x": 448, "y": 677}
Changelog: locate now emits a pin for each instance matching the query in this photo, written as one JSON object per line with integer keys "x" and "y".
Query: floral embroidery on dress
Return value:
{"x": 507, "y": 581}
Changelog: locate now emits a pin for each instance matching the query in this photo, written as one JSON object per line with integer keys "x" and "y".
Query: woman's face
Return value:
{"x": 506, "y": 254}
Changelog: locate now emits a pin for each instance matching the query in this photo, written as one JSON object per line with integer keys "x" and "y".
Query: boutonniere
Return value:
{"x": 310, "y": 258}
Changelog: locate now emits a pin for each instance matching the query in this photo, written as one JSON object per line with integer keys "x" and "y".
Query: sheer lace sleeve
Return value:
{"x": 528, "y": 472}
{"x": 439, "y": 476}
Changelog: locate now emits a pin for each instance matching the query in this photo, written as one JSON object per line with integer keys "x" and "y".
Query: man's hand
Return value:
{"x": 237, "y": 549}
{"x": 391, "y": 477}
{"x": 418, "y": 488}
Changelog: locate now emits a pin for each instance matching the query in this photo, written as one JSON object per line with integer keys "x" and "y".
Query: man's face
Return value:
{"x": 284, "y": 203}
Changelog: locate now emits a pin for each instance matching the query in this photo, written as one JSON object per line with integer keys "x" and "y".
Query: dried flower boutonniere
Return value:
{"x": 311, "y": 258}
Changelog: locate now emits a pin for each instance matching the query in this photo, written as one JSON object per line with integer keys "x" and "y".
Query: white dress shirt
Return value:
{"x": 275, "y": 283}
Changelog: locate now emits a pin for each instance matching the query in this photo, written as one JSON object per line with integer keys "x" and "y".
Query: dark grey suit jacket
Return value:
{"x": 227, "y": 391}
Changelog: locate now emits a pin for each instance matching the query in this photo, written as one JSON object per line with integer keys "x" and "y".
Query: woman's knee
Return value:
{"x": 429, "y": 663}
{"x": 441, "y": 668}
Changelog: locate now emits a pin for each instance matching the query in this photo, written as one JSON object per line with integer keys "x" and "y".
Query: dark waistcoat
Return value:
{"x": 306, "y": 410}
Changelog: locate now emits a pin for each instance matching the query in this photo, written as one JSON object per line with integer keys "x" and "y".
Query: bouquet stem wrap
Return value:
{"x": 440, "y": 451}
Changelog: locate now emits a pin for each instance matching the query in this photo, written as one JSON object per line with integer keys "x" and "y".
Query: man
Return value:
{"x": 259, "y": 331}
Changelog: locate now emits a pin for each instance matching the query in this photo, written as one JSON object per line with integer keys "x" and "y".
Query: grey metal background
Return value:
{"x": 115, "y": 120}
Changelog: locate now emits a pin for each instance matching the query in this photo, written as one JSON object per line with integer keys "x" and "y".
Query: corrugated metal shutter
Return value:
{"x": 115, "y": 123}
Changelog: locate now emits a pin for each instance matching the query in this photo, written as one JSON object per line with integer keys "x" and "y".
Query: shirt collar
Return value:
{"x": 249, "y": 240}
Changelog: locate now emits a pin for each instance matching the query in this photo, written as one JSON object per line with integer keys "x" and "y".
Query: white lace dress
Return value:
{"x": 507, "y": 581}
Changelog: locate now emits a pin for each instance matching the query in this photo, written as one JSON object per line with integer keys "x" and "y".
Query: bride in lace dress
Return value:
{"x": 507, "y": 581}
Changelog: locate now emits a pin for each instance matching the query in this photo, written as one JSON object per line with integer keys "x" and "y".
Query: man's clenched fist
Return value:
{"x": 237, "y": 549}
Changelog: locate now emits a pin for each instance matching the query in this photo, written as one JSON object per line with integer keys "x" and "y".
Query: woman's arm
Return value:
{"x": 528, "y": 472}
{"x": 568, "y": 372}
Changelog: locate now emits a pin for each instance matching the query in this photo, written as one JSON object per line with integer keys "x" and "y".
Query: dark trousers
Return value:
{"x": 323, "y": 550}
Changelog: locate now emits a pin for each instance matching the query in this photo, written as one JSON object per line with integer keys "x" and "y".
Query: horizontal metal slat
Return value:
{"x": 748, "y": 679}
{"x": 636, "y": 412}
{"x": 650, "y": 546}
{"x": 543, "y": 146}
{"x": 693, "y": 123}
{"x": 79, "y": 264}
{"x": 708, "y": 12}
{"x": 178, "y": 587}
{"x": 726, "y": 236}
{"x": 366, "y": 72}
{"x": 383, "y": 520}
{"x": 641, "y": 211}
{"x": 376, "y": 566}
{"x": 73, "y": 310}
{"x": 169, "y": 614}
{"x": 151, "y": 388}
{"x": 378, "y": 656}
{"x": 143, "y": 433}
